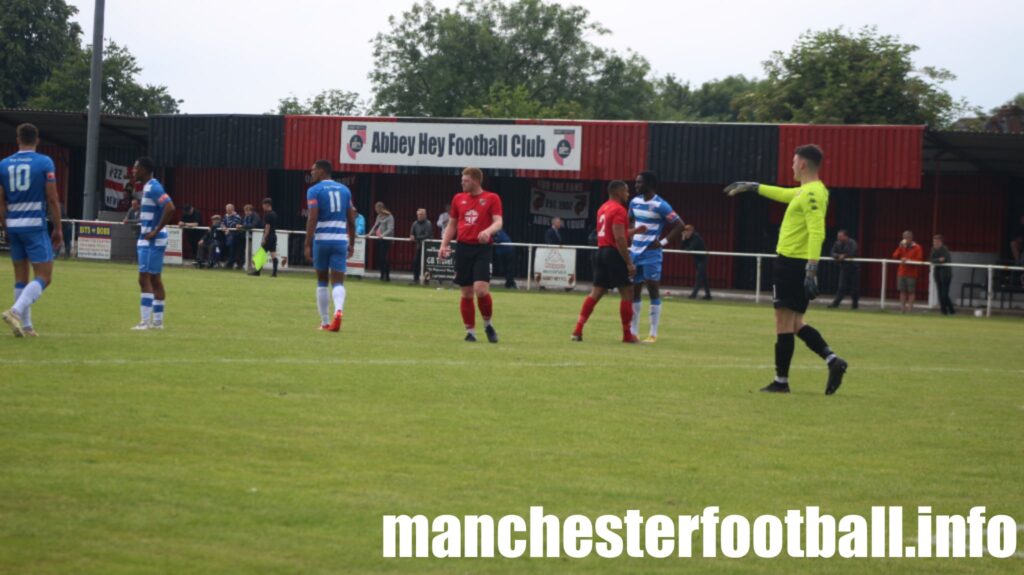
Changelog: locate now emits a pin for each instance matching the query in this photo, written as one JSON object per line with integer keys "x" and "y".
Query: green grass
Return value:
{"x": 240, "y": 440}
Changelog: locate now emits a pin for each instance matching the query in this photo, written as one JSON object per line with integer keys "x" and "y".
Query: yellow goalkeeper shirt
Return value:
{"x": 803, "y": 226}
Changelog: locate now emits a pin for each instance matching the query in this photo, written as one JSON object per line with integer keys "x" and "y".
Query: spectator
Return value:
{"x": 421, "y": 230}
{"x": 235, "y": 237}
{"x": 442, "y": 220}
{"x": 506, "y": 256}
{"x": 693, "y": 242}
{"x": 210, "y": 250}
{"x": 906, "y": 275}
{"x": 133, "y": 214}
{"x": 844, "y": 251}
{"x": 553, "y": 237}
{"x": 383, "y": 228}
{"x": 1017, "y": 244}
{"x": 360, "y": 224}
{"x": 191, "y": 219}
{"x": 940, "y": 256}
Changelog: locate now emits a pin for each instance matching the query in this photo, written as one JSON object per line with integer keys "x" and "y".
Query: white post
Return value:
{"x": 991, "y": 288}
{"x": 423, "y": 261}
{"x": 248, "y": 251}
{"x": 884, "y": 264}
{"x": 757, "y": 285}
{"x": 931, "y": 286}
{"x": 529, "y": 267}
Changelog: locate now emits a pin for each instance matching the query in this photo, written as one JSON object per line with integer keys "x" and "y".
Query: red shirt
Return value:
{"x": 914, "y": 253}
{"x": 611, "y": 213}
{"x": 474, "y": 214}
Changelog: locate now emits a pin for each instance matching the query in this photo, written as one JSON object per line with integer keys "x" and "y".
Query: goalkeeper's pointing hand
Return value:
{"x": 740, "y": 187}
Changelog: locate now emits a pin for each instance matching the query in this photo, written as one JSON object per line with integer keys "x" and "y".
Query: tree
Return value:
{"x": 327, "y": 103}
{"x": 713, "y": 101}
{"x": 35, "y": 37}
{"x": 67, "y": 88}
{"x": 851, "y": 78}
{"x": 499, "y": 57}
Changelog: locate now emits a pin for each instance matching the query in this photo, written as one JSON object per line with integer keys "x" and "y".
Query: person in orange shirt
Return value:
{"x": 906, "y": 276}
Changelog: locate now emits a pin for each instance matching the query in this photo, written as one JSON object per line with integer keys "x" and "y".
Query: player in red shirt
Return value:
{"x": 475, "y": 217}
{"x": 614, "y": 268}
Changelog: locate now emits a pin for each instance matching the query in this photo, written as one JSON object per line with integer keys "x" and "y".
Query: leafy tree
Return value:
{"x": 67, "y": 88}
{"x": 496, "y": 57}
{"x": 327, "y": 103}
{"x": 835, "y": 76}
{"x": 35, "y": 37}
{"x": 713, "y": 101}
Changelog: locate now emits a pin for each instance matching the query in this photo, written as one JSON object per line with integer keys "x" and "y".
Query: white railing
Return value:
{"x": 759, "y": 258}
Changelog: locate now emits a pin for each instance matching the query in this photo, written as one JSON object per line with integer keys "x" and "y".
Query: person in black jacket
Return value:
{"x": 553, "y": 237}
{"x": 844, "y": 251}
{"x": 943, "y": 273}
{"x": 694, "y": 243}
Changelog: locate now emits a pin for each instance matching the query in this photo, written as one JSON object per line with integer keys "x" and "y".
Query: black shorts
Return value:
{"x": 472, "y": 263}
{"x": 610, "y": 269}
{"x": 271, "y": 245}
{"x": 788, "y": 284}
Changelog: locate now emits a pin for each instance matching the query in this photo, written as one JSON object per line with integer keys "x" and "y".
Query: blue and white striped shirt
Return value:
{"x": 653, "y": 214}
{"x": 154, "y": 198}
{"x": 333, "y": 202}
{"x": 24, "y": 177}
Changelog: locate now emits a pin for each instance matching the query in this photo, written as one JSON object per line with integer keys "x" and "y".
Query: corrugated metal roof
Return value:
{"x": 209, "y": 141}
{"x": 875, "y": 157}
{"x": 714, "y": 153}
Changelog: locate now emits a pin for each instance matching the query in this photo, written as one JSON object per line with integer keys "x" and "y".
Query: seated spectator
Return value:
{"x": 211, "y": 246}
{"x": 1017, "y": 243}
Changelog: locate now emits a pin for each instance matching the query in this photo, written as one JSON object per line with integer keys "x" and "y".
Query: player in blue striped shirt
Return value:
{"x": 157, "y": 210}
{"x": 330, "y": 240}
{"x": 648, "y": 210}
{"x": 28, "y": 185}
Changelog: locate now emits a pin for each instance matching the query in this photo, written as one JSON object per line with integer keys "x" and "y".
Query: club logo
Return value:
{"x": 565, "y": 146}
{"x": 356, "y": 142}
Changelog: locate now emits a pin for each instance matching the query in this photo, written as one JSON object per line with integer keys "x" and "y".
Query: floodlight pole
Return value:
{"x": 92, "y": 144}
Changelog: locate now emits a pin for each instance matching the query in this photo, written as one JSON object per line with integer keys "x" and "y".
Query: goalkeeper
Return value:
{"x": 794, "y": 275}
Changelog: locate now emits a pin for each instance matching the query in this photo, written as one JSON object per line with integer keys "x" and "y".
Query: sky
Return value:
{"x": 241, "y": 56}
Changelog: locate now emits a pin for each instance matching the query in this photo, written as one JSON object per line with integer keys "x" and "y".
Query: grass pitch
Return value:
{"x": 241, "y": 440}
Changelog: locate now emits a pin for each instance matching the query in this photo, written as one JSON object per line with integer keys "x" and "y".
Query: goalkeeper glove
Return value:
{"x": 740, "y": 187}
{"x": 811, "y": 281}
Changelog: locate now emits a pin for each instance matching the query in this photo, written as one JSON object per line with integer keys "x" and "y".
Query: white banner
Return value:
{"x": 357, "y": 263}
{"x": 567, "y": 200}
{"x": 282, "y": 249}
{"x": 94, "y": 241}
{"x": 555, "y": 268}
{"x": 172, "y": 255}
{"x": 501, "y": 146}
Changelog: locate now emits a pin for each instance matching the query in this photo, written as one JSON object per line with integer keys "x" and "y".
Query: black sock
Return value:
{"x": 275, "y": 265}
{"x": 815, "y": 342}
{"x": 784, "y": 344}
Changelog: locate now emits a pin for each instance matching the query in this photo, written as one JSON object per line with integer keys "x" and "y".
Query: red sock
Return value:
{"x": 468, "y": 313}
{"x": 485, "y": 303}
{"x": 585, "y": 311}
{"x": 626, "y": 314}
